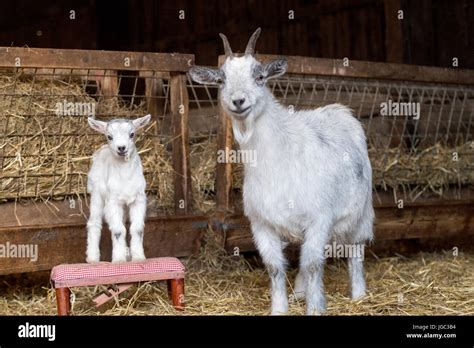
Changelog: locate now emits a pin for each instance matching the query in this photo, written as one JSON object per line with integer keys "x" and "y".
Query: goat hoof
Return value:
{"x": 92, "y": 260}
{"x": 138, "y": 257}
{"x": 299, "y": 295}
{"x": 280, "y": 310}
{"x": 119, "y": 259}
{"x": 357, "y": 295}
{"x": 315, "y": 311}
{"x": 318, "y": 308}
{"x": 93, "y": 257}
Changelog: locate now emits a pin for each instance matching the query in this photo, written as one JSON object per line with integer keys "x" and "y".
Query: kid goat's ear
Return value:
{"x": 206, "y": 76}
{"x": 141, "y": 122}
{"x": 276, "y": 68}
{"x": 99, "y": 126}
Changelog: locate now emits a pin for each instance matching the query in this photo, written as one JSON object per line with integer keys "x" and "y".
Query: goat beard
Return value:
{"x": 242, "y": 131}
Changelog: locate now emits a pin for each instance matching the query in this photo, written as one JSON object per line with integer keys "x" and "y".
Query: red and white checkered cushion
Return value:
{"x": 137, "y": 270}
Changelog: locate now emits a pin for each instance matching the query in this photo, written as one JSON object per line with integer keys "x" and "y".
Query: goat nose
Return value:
{"x": 238, "y": 102}
{"x": 121, "y": 148}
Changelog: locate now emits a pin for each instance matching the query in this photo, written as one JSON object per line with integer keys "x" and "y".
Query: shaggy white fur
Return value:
{"x": 115, "y": 181}
{"x": 312, "y": 183}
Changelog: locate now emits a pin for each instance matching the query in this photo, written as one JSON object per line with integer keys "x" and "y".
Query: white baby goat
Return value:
{"x": 116, "y": 180}
{"x": 312, "y": 183}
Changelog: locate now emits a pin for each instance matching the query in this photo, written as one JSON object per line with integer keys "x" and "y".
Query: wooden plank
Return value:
{"x": 387, "y": 199}
{"x": 62, "y": 223}
{"x": 60, "y": 237}
{"x": 375, "y": 70}
{"x": 225, "y": 139}
{"x": 93, "y": 59}
{"x": 181, "y": 162}
{"x": 45, "y": 215}
{"x": 412, "y": 222}
{"x": 427, "y": 221}
{"x": 154, "y": 94}
{"x": 110, "y": 85}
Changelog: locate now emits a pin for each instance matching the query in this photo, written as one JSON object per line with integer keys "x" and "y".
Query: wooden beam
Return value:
{"x": 181, "y": 162}
{"x": 93, "y": 59}
{"x": 59, "y": 233}
{"x": 451, "y": 219}
{"x": 165, "y": 236}
{"x": 374, "y": 70}
{"x": 225, "y": 140}
{"x": 110, "y": 85}
{"x": 58, "y": 229}
{"x": 387, "y": 199}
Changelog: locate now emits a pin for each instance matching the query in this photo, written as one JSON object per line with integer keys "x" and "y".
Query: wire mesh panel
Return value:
{"x": 46, "y": 144}
{"x": 420, "y": 135}
{"x": 203, "y": 116}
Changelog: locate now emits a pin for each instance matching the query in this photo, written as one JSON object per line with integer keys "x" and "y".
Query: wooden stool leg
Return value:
{"x": 63, "y": 299}
{"x": 176, "y": 287}
{"x": 168, "y": 285}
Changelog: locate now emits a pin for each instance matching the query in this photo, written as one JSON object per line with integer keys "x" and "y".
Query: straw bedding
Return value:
{"x": 216, "y": 284}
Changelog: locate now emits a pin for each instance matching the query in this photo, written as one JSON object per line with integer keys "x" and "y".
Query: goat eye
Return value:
{"x": 219, "y": 81}
{"x": 259, "y": 78}
{"x": 132, "y": 135}
{"x": 109, "y": 137}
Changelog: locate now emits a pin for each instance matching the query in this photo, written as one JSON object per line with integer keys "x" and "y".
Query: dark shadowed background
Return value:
{"x": 431, "y": 33}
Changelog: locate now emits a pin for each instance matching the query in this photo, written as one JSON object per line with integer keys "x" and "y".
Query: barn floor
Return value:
{"x": 421, "y": 284}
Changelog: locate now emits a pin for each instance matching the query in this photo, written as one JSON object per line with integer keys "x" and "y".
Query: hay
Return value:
{"x": 432, "y": 169}
{"x": 423, "y": 284}
{"x": 48, "y": 156}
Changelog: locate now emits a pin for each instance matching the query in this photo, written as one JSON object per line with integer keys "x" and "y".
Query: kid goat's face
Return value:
{"x": 120, "y": 134}
{"x": 241, "y": 79}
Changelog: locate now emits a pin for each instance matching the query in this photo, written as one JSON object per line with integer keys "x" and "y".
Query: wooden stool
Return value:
{"x": 122, "y": 275}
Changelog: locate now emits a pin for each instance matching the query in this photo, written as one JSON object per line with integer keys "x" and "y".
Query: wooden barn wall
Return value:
{"x": 432, "y": 32}
{"x": 48, "y": 24}
{"x": 438, "y": 30}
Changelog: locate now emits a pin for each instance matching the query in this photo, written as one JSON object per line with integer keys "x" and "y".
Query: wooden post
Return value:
{"x": 63, "y": 300}
{"x": 155, "y": 98}
{"x": 224, "y": 199}
{"x": 181, "y": 163}
{"x": 176, "y": 288}
{"x": 168, "y": 286}
{"x": 110, "y": 87}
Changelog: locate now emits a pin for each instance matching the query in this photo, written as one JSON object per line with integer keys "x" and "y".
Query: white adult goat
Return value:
{"x": 116, "y": 180}
{"x": 312, "y": 183}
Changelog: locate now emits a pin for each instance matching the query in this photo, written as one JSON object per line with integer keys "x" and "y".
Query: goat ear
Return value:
{"x": 276, "y": 68}
{"x": 99, "y": 126}
{"x": 141, "y": 122}
{"x": 206, "y": 76}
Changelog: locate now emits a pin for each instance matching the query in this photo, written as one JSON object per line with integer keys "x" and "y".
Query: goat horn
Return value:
{"x": 250, "y": 49}
{"x": 227, "y": 49}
